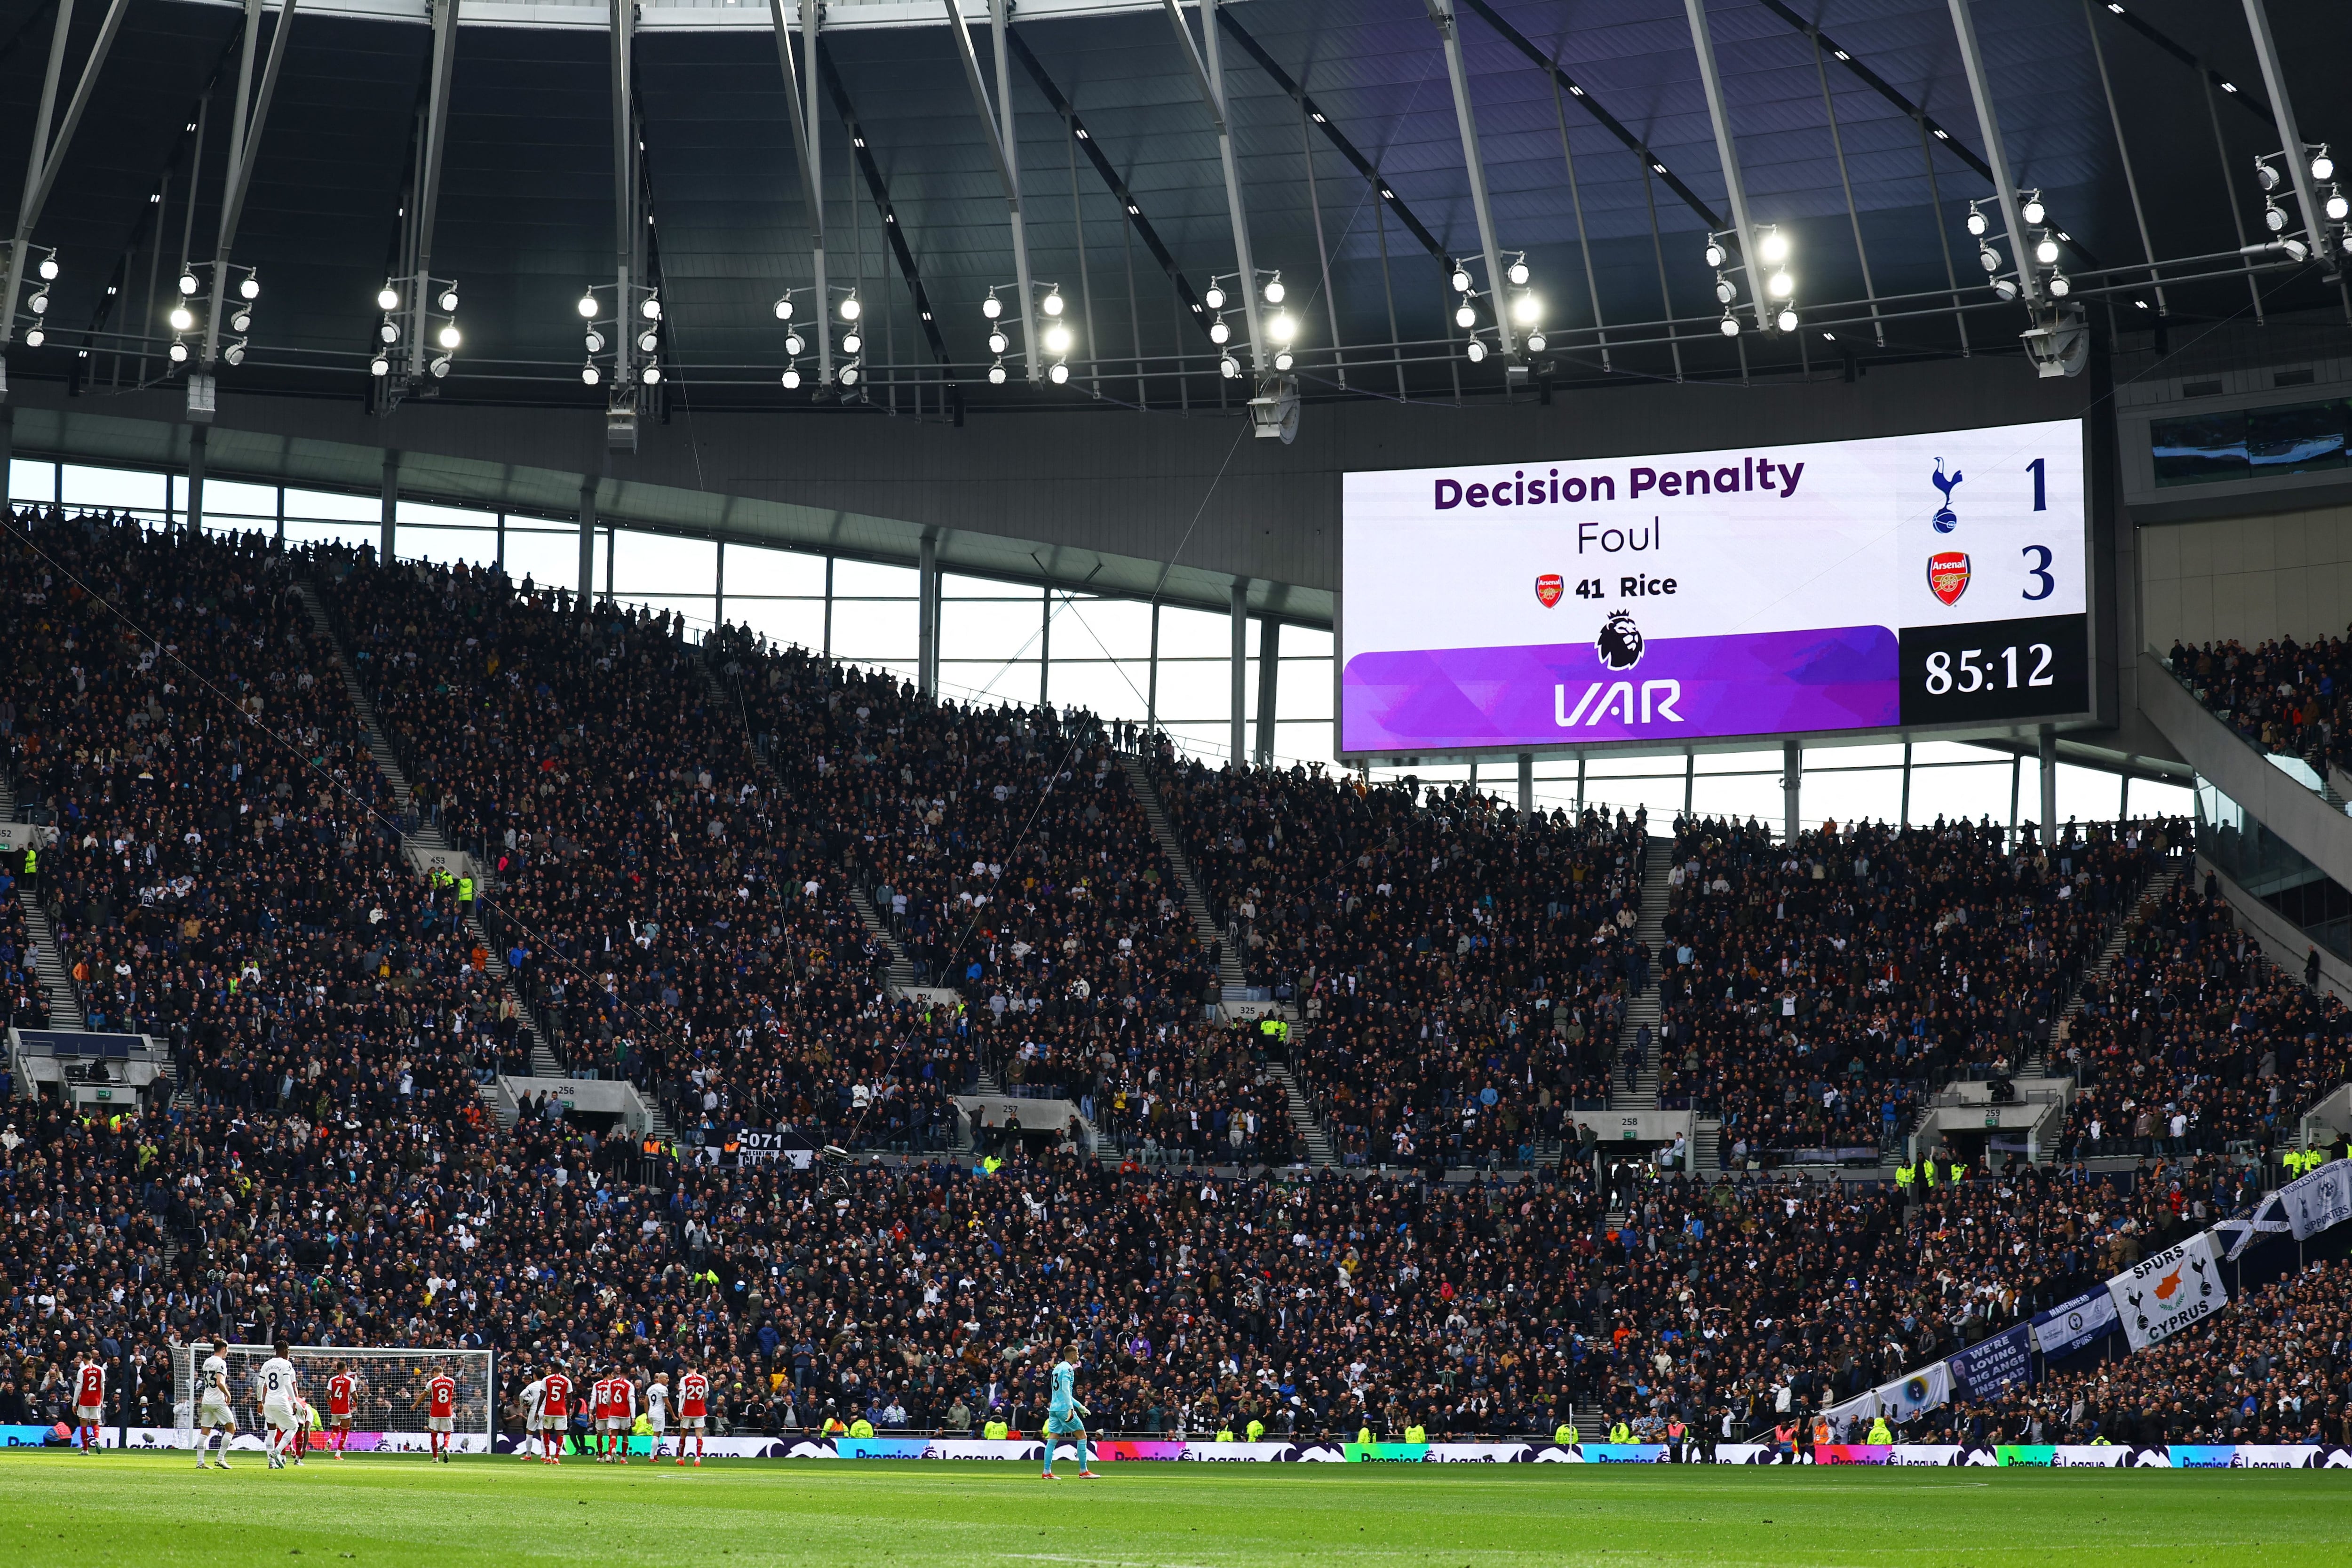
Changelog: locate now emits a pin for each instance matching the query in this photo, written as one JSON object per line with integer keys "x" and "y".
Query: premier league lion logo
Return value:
{"x": 1620, "y": 643}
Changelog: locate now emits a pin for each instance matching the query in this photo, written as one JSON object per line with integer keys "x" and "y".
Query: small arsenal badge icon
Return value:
{"x": 1947, "y": 576}
{"x": 1548, "y": 589}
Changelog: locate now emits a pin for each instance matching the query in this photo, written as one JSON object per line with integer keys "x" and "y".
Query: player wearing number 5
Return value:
{"x": 1064, "y": 1416}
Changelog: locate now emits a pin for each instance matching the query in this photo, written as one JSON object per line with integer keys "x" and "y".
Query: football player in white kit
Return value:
{"x": 278, "y": 1411}
{"x": 212, "y": 1412}
{"x": 657, "y": 1409}
{"x": 534, "y": 1408}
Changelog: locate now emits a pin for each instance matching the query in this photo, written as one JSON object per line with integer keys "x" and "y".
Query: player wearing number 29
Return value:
{"x": 693, "y": 1411}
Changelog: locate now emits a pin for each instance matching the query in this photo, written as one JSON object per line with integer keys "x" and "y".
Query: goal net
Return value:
{"x": 390, "y": 1394}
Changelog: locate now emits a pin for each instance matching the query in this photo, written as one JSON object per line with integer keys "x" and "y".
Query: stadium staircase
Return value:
{"x": 1319, "y": 1152}
{"x": 2152, "y": 894}
{"x": 544, "y": 1062}
{"x": 899, "y": 970}
{"x": 49, "y": 959}
{"x": 1645, "y": 1007}
{"x": 1231, "y": 980}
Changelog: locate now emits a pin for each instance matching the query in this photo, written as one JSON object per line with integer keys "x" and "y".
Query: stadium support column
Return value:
{"x": 2021, "y": 253}
{"x": 2298, "y": 157}
{"x": 2049, "y": 744}
{"x": 196, "y": 478}
{"x": 1792, "y": 776}
{"x": 1527, "y": 783}
{"x": 1002, "y": 147}
{"x": 587, "y": 581}
{"x": 1474, "y": 164}
{"x": 927, "y": 617}
{"x": 806, "y": 151}
{"x": 718, "y": 586}
{"x": 1703, "y": 44}
{"x": 1269, "y": 676}
{"x": 2016, "y": 777}
{"x": 1240, "y": 670}
{"x": 386, "y": 551}
{"x": 1690, "y": 779}
{"x": 1904, "y": 818}
{"x": 1207, "y": 64}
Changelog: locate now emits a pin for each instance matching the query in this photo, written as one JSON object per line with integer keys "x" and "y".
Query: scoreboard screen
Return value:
{"x": 1890, "y": 583}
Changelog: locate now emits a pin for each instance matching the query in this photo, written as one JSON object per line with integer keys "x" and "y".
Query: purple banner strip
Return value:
{"x": 1684, "y": 688}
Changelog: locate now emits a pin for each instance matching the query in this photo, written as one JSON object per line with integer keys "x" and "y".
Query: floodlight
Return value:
{"x": 650, "y": 306}
{"x": 589, "y": 374}
{"x": 1728, "y": 326}
{"x": 794, "y": 344}
{"x": 449, "y": 301}
{"x": 653, "y": 374}
{"x": 1780, "y": 285}
{"x": 184, "y": 319}
{"x": 1517, "y": 274}
{"x": 1229, "y": 367}
{"x": 34, "y": 337}
{"x": 1527, "y": 309}
{"x": 40, "y": 304}
{"x": 1976, "y": 225}
{"x": 1772, "y": 247}
{"x": 187, "y": 283}
{"x": 792, "y": 378}
{"x": 1725, "y": 290}
{"x": 1460, "y": 281}
{"x": 850, "y": 308}
{"x": 1053, "y": 303}
{"x": 1214, "y": 298}
{"x": 387, "y": 298}
{"x": 998, "y": 343}
{"x": 451, "y": 337}
{"x": 2337, "y": 207}
{"x": 2323, "y": 167}
{"x": 2266, "y": 175}
{"x": 1281, "y": 327}
{"x": 1058, "y": 339}
{"x": 1281, "y": 360}
{"x": 588, "y": 306}
{"x": 992, "y": 307}
{"x": 784, "y": 309}
{"x": 996, "y": 374}
{"x": 379, "y": 365}
{"x": 2274, "y": 218}
{"x": 648, "y": 340}
{"x": 1787, "y": 320}
{"x": 1058, "y": 374}
{"x": 2061, "y": 285}
{"x": 440, "y": 366}
{"x": 2005, "y": 287}
{"x": 595, "y": 341}
{"x": 1715, "y": 255}
{"x": 179, "y": 352}
{"x": 48, "y": 268}
{"x": 1466, "y": 317}
{"x": 852, "y": 343}
{"x": 251, "y": 287}
{"x": 1477, "y": 350}
{"x": 2033, "y": 210}
{"x": 2045, "y": 251}
{"x": 234, "y": 352}
{"x": 1218, "y": 332}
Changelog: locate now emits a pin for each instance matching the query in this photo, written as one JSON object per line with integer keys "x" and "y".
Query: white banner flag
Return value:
{"x": 1928, "y": 1388}
{"x": 2318, "y": 1200}
{"x": 2163, "y": 1294}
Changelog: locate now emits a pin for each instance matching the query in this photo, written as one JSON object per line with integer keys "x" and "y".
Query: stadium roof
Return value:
{"x": 527, "y": 203}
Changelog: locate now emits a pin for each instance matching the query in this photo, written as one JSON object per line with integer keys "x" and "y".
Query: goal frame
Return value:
{"x": 382, "y": 1429}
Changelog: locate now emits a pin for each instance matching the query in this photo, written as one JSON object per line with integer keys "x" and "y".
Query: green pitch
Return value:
{"x": 146, "y": 1512}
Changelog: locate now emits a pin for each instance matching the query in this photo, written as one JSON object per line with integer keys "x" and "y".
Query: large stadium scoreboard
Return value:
{"x": 1889, "y": 584}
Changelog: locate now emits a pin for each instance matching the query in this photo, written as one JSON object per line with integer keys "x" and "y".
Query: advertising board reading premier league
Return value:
{"x": 1890, "y": 583}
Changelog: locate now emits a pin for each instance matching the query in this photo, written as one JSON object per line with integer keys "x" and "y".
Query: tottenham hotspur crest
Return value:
{"x": 1946, "y": 518}
{"x": 1620, "y": 642}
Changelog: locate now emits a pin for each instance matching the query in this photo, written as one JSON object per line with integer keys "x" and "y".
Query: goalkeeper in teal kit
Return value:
{"x": 1064, "y": 1416}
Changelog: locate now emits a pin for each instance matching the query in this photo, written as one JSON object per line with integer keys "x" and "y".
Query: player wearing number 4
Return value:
{"x": 1064, "y": 1416}
{"x": 343, "y": 1392}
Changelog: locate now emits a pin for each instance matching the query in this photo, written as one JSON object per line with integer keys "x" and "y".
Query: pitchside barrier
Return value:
{"x": 2173, "y": 1456}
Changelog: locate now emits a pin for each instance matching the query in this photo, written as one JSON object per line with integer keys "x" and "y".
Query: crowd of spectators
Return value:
{"x": 2284, "y": 697}
{"x": 675, "y": 884}
{"x": 2195, "y": 1041}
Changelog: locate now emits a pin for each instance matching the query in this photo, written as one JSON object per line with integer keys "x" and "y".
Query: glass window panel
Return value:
{"x": 956, "y": 585}
{"x": 1969, "y": 792}
{"x": 318, "y": 505}
{"x": 1185, "y": 633}
{"x": 990, "y": 680}
{"x": 1194, "y": 690}
{"x": 1311, "y": 642}
{"x": 753, "y": 570}
{"x": 551, "y": 559}
{"x": 1305, "y": 687}
{"x": 1302, "y": 741}
{"x": 2199, "y": 448}
{"x": 424, "y": 513}
{"x": 649, "y": 565}
{"x": 350, "y": 534}
{"x": 1209, "y": 741}
{"x": 475, "y": 546}
{"x": 29, "y": 481}
{"x": 1102, "y": 629}
{"x": 1108, "y": 690}
{"x": 2295, "y": 440}
{"x": 865, "y": 579}
{"x": 240, "y": 505}
{"x": 990, "y": 628}
{"x": 787, "y": 622}
{"x": 119, "y": 488}
{"x": 868, "y": 630}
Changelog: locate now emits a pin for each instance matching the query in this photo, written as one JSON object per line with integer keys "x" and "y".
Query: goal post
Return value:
{"x": 389, "y": 1396}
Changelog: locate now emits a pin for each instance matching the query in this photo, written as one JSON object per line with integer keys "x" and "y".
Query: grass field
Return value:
{"x": 153, "y": 1513}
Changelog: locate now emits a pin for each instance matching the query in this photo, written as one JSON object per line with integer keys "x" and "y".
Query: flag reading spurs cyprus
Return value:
{"x": 1780, "y": 589}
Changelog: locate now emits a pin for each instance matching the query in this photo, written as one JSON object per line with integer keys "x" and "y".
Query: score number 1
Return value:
{"x": 1945, "y": 674}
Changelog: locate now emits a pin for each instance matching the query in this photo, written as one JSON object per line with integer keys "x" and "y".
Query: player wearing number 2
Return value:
{"x": 89, "y": 1400}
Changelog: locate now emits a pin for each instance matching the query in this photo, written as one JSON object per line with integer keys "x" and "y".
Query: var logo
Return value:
{"x": 1657, "y": 699}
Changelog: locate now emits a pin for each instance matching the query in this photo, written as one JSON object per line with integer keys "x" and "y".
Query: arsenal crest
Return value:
{"x": 1947, "y": 576}
{"x": 1548, "y": 589}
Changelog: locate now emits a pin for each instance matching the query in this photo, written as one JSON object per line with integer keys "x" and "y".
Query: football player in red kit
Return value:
{"x": 556, "y": 1411}
{"x": 693, "y": 1413}
{"x": 441, "y": 1413}
{"x": 89, "y": 1400}
{"x": 342, "y": 1394}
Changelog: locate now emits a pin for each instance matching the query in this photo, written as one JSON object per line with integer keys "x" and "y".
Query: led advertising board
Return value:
{"x": 1891, "y": 583}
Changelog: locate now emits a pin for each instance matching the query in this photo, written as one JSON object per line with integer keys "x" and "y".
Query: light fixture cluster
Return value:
{"x": 851, "y": 311}
{"x": 2277, "y": 183}
{"x": 1526, "y": 305}
{"x": 1767, "y": 256}
{"x": 1055, "y": 338}
{"x": 1988, "y": 256}
{"x": 402, "y": 300}
{"x": 2048, "y": 258}
{"x": 184, "y": 319}
{"x": 795, "y": 344}
{"x": 46, "y": 271}
{"x": 647, "y": 324}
